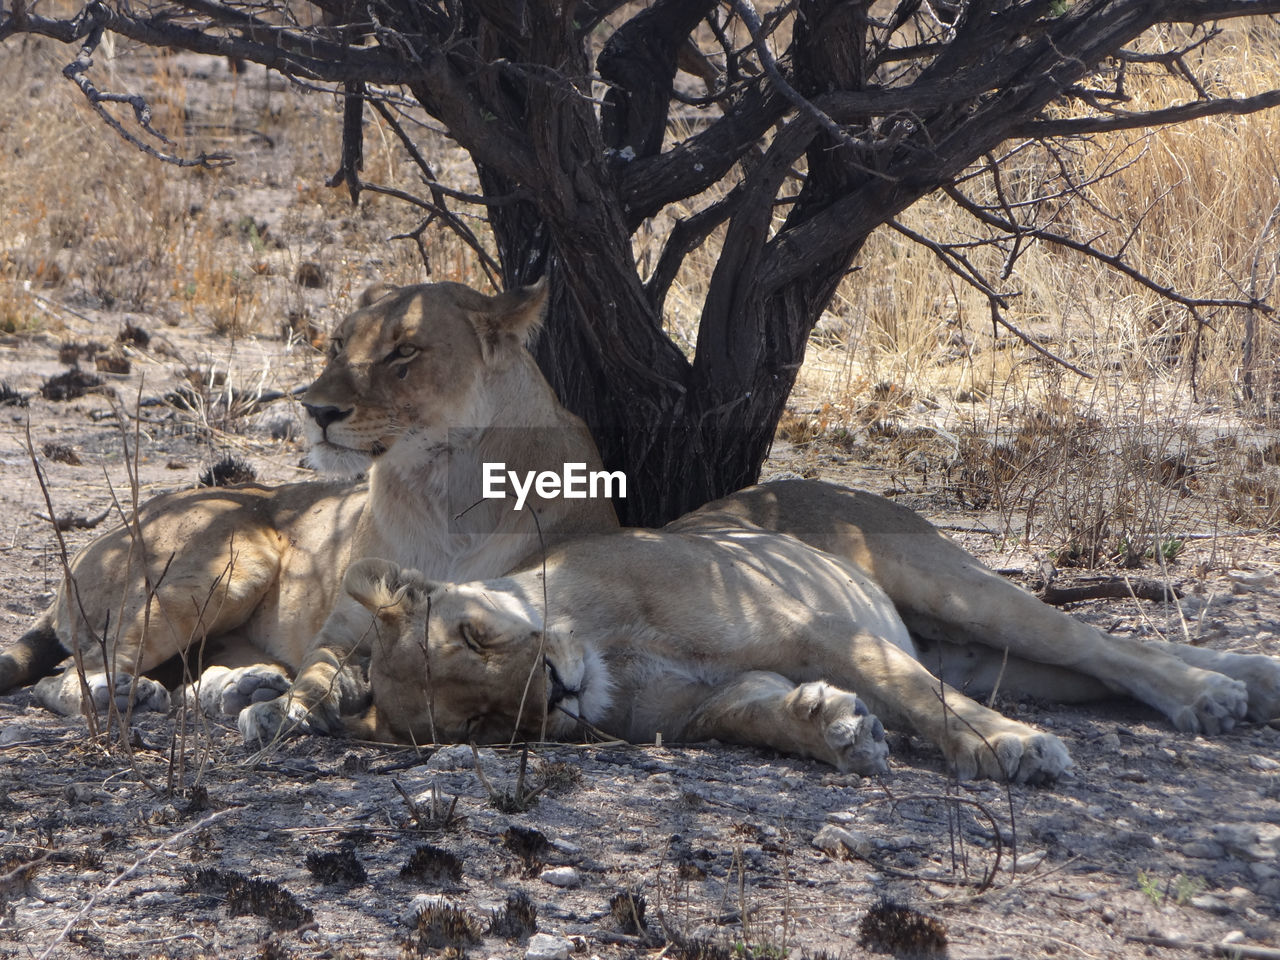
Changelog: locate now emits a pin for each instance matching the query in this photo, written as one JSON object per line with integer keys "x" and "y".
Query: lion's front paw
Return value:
{"x": 260, "y": 723}
{"x": 231, "y": 691}
{"x": 140, "y": 692}
{"x": 1221, "y": 702}
{"x": 1016, "y": 753}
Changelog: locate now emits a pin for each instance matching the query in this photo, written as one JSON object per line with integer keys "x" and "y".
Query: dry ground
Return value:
{"x": 108, "y": 850}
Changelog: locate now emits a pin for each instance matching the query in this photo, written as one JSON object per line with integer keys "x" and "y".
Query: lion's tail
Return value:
{"x": 32, "y": 655}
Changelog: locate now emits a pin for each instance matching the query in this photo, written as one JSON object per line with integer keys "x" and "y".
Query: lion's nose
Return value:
{"x": 558, "y": 692}
{"x": 325, "y": 415}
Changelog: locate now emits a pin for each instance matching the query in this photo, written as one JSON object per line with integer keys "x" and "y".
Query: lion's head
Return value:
{"x": 455, "y": 663}
{"x": 409, "y": 364}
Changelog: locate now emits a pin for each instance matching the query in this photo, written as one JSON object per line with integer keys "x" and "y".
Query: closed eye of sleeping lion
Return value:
{"x": 423, "y": 385}
{"x": 790, "y": 615}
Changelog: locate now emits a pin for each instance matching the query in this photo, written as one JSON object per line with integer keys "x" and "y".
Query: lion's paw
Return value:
{"x": 226, "y": 692}
{"x": 141, "y": 693}
{"x": 1221, "y": 702}
{"x": 859, "y": 745}
{"x": 1017, "y": 754}
{"x": 262, "y": 722}
{"x": 855, "y": 737}
{"x": 1261, "y": 675}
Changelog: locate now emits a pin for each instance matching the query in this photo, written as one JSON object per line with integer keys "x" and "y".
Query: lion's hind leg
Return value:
{"x": 809, "y": 719}
{"x": 126, "y": 632}
{"x": 948, "y": 596}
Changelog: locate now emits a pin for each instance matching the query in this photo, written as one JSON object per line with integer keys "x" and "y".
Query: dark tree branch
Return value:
{"x": 77, "y": 73}
{"x": 1114, "y": 261}
{"x": 1121, "y": 120}
{"x": 639, "y": 64}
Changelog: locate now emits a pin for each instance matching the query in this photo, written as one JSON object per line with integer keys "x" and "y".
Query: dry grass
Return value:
{"x": 1171, "y": 437}
{"x": 1168, "y": 439}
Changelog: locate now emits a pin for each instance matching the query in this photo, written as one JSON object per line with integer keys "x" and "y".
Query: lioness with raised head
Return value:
{"x": 769, "y": 618}
{"x": 423, "y": 385}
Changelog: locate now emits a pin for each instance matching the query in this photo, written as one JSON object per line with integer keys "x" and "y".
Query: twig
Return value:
{"x": 72, "y": 522}
{"x": 1116, "y": 262}
{"x": 69, "y": 584}
{"x": 958, "y": 265}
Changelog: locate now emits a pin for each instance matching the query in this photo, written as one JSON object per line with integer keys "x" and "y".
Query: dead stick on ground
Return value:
{"x": 121, "y": 877}
{"x": 1242, "y": 950}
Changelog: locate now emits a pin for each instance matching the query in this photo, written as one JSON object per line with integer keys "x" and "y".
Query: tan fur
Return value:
{"x": 756, "y": 619}
{"x": 423, "y": 384}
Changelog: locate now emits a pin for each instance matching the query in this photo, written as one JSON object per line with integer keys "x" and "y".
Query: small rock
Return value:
{"x": 543, "y": 946}
{"x": 1211, "y": 903}
{"x": 1250, "y": 581}
{"x": 1259, "y": 762}
{"x": 1204, "y": 850}
{"x": 840, "y": 843}
{"x": 1263, "y": 871}
{"x": 456, "y": 757}
{"x": 1029, "y": 860}
{"x": 561, "y": 877}
{"x": 1245, "y": 840}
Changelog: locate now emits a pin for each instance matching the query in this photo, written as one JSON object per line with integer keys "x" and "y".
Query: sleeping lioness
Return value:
{"x": 769, "y": 618}
{"x": 423, "y": 385}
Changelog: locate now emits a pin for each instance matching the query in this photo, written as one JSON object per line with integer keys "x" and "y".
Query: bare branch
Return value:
{"x": 1115, "y": 261}
{"x": 76, "y": 73}
{"x": 1123, "y": 120}
{"x": 282, "y": 50}
{"x": 809, "y": 108}
{"x": 961, "y": 267}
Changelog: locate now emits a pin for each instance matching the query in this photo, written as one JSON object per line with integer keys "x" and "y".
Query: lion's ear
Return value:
{"x": 383, "y": 587}
{"x": 513, "y": 317}
{"x": 373, "y": 293}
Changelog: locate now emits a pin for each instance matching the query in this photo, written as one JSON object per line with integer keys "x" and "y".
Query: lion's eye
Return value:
{"x": 470, "y": 637}
{"x": 406, "y": 351}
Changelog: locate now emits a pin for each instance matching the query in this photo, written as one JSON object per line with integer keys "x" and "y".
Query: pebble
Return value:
{"x": 1207, "y": 901}
{"x": 1204, "y": 850}
{"x": 1259, "y": 762}
{"x": 561, "y": 876}
{"x": 544, "y": 946}
{"x": 1028, "y": 860}
{"x": 840, "y": 843}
